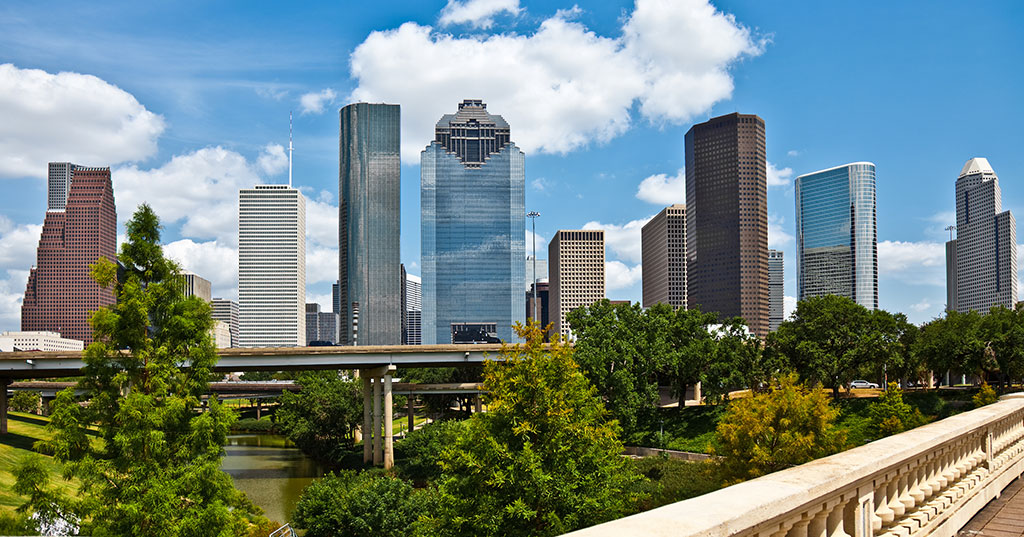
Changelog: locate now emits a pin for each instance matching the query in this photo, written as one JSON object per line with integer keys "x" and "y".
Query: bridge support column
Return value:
{"x": 478, "y": 406}
{"x": 367, "y": 426}
{"x": 389, "y": 437}
{"x": 3, "y": 404}
{"x": 412, "y": 413}
{"x": 378, "y": 455}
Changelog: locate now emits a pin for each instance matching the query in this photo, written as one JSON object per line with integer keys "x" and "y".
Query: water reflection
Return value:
{"x": 270, "y": 470}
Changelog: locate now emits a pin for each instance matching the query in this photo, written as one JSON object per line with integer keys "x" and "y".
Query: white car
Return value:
{"x": 863, "y": 384}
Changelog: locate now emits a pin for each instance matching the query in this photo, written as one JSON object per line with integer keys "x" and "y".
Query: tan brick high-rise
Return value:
{"x": 727, "y": 219}
{"x": 575, "y": 273}
{"x": 663, "y": 243}
{"x": 77, "y": 231}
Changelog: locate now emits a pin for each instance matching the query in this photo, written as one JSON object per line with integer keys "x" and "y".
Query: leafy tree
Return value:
{"x": 24, "y": 401}
{"x": 888, "y": 344}
{"x": 158, "y": 470}
{"x": 985, "y": 396}
{"x": 953, "y": 342}
{"x": 417, "y": 453}
{"x": 357, "y": 504}
{"x": 1003, "y": 332}
{"x": 322, "y": 417}
{"x": 738, "y": 361}
{"x": 789, "y": 425}
{"x": 891, "y": 415}
{"x": 440, "y": 404}
{"x": 543, "y": 460}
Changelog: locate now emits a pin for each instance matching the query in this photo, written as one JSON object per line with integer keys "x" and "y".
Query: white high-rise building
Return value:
{"x": 58, "y": 184}
{"x": 413, "y": 310}
{"x": 37, "y": 341}
{"x": 776, "y": 294}
{"x": 576, "y": 261}
{"x": 982, "y": 264}
{"x": 271, "y": 266}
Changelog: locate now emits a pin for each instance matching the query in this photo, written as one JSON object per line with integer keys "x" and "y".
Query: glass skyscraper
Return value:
{"x": 369, "y": 186}
{"x": 836, "y": 234}
{"x": 473, "y": 206}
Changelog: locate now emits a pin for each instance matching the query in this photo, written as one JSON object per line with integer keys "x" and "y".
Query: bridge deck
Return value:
{"x": 1002, "y": 517}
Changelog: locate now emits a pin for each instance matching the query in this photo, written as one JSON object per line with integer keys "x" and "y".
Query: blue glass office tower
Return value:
{"x": 473, "y": 205}
{"x": 836, "y": 234}
{"x": 369, "y": 186}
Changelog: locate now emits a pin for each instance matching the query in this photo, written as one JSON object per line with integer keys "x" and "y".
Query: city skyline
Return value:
{"x": 612, "y": 159}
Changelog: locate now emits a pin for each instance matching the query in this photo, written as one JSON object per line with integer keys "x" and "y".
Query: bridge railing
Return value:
{"x": 924, "y": 482}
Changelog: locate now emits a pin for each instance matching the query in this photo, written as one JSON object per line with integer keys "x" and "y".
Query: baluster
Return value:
{"x": 839, "y": 517}
{"x": 916, "y": 491}
{"x": 906, "y": 486}
{"x": 817, "y": 526}
{"x": 799, "y": 528}
{"x": 895, "y": 494}
{"x": 883, "y": 493}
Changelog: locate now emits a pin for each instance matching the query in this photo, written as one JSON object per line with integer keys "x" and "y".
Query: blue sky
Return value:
{"x": 188, "y": 101}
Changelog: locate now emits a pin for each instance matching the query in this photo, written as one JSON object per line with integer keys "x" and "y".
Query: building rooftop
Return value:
{"x": 975, "y": 166}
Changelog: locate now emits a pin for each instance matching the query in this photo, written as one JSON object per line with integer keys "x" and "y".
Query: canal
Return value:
{"x": 270, "y": 470}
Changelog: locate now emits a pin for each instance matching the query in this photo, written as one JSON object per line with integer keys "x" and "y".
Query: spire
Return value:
{"x": 290, "y": 148}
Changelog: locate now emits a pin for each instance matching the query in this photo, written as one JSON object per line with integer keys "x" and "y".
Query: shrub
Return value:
{"x": 357, "y": 504}
{"x": 250, "y": 425}
{"x": 891, "y": 415}
{"x": 985, "y": 396}
{"x": 25, "y": 401}
{"x": 419, "y": 453}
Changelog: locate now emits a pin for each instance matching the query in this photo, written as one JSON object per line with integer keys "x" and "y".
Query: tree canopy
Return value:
{"x": 323, "y": 416}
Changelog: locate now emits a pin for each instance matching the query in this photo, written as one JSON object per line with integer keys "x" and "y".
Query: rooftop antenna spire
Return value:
{"x": 290, "y": 148}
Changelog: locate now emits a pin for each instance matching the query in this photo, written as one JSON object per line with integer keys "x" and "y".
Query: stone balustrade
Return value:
{"x": 926, "y": 482}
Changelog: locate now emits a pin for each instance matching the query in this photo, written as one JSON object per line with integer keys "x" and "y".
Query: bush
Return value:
{"x": 985, "y": 396}
{"x": 356, "y": 504}
{"x": 17, "y": 524}
{"x": 250, "y": 425}
{"x": 675, "y": 480}
{"x": 419, "y": 454}
{"x": 891, "y": 415}
{"x": 25, "y": 401}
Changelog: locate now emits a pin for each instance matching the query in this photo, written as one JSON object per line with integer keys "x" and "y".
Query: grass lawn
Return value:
{"x": 23, "y": 431}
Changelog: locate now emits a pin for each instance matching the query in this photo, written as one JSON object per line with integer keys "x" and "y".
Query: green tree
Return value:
{"x": 322, "y": 417}
{"x": 543, "y": 460}
{"x": 891, "y": 415}
{"x": 789, "y": 425}
{"x": 417, "y": 453}
{"x": 1003, "y": 332}
{"x": 888, "y": 345}
{"x": 157, "y": 472}
{"x": 739, "y": 361}
{"x": 24, "y": 401}
{"x": 360, "y": 504}
{"x": 952, "y": 343}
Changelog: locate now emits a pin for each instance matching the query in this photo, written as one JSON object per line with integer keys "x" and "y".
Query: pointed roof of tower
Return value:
{"x": 975, "y": 166}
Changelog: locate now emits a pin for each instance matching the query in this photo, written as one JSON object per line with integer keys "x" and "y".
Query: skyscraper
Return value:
{"x": 985, "y": 249}
{"x": 473, "y": 227}
{"x": 576, "y": 261}
{"x": 271, "y": 266}
{"x": 196, "y": 285}
{"x": 836, "y": 234}
{"x": 321, "y": 326}
{"x": 776, "y": 289}
{"x": 80, "y": 227}
{"x": 413, "y": 310}
{"x": 727, "y": 219}
{"x": 226, "y": 312}
{"x": 369, "y": 186}
{"x": 663, "y": 243}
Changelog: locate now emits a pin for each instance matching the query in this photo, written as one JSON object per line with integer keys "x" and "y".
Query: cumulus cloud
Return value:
{"x": 562, "y": 86}
{"x": 212, "y": 260}
{"x": 923, "y": 305}
{"x": 622, "y": 240}
{"x": 272, "y": 159}
{"x": 914, "y": 263}
{"x": 661, "y": 189}
{"x": 321, "y": 264}
{"x": 316, "y": 102}
{"x": 777, "y": 235}
{"x": 793, "y": 153}
{"x": 618, "y": 275}
{"x": 69, "y": 117}
{"x": 788, "y": 306}
{"x": 542, "y": 245}
{"x": 322, "y": 223}
{"x": 18, "y": 244}
{"x": 12, "y": 291}
{"x": 778, "y": 177}
{"x": 540, "y": 184}
{"x": 476, "y": 13}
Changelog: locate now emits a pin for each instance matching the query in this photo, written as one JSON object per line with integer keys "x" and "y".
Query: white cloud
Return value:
{"x": 618, "y": 275}
{"x": 18, "y": 244}
{"x": 788, "y": 306}
{"x": 476, "y": 13}
{"x": 923, "y": 305}
{"x": 316, "y": 102}
{"x": 777, "y": 177}
{"x": 624, "y": 240}
{"x": 793, "y": 153}
{"x": 540, "y": 184}
{"x": 562, "y": 86}
{"x": 272, "y": 159}
{"x": 212, "y": 260}
{"x": 661, "y": 189}
{"x": 12, "y": 291}
{"x": 542, "y": 245}
{"x": 777, "y": 236}
{"x": 914, "y": 263}
{"x": 322, "y": 223}
{"x": 69, "y": 117}
{"x": 326, "y": 301}
{"x": 321, "y": 264}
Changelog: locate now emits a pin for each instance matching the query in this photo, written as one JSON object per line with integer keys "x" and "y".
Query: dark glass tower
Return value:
{"x": 727, "y": 219}
{"x": 473, "y": 227}
{"x": 369, "y": 193}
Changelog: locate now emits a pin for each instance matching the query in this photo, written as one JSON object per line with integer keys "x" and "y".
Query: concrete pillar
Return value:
{"x": 412, "y": 413}
{"x": 3, "y": 404}
{"x": 378, "y": 454}
{"x": 259, "y": 409}
{"x": 357, "y": 434}
{"x": 477, "y": 404}
{"x": 389, "y": 436}
{"x": 367, "y": 427}
{"x": 46, "y": 401}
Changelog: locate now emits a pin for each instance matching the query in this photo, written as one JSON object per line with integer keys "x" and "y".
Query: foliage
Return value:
{"x": 158, "y": 470}
{"x": 417, "y": 453}
{"x": 250, "y": 425}
{"x": 739, "y": 361}
{"x": 985, "y": 396}
{"x": 674, "y": 480}
{"x": 953, "y": 342}
{"x": 1003, "y": 332}
{"x": 17, "y": 524}
{"x": 322, "y": 417}
{"x": 543, "y": 460}
{"x": 766, "y": 432}
{"x": 356, "y": 504}
{"x": 891, "y": 415}
{"x": 439, "y": 405}
{"x": 24, "y": 401}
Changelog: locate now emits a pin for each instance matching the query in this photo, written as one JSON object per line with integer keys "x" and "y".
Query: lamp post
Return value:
{"x": 532, "y": 215}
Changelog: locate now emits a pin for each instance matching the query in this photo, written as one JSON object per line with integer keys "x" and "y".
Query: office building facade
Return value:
{"x": 413, "y": 307}
{"x": 369, "y": 186}
{"x": 663, "y": 243}
{"x": 271, "y": 267}
{"x": 80, "y": 227}
{"x": 727, "y": 219}
{"x": 196, "y": 285}
{"x": 836, "y": 234}
{"x": 321, "y": 326}
{"x": 576, "y": 261}
{"x": 473, "y": 228}
{"x": 984, "y": 253}
{"x": 226, "y": 311}
{"x": 776, "y": 289}
{"x": 539, "y": 310}
{"x": 37, "y": 341}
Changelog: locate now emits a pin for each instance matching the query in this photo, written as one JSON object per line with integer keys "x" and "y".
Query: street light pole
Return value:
{"x": 532, "y": 215}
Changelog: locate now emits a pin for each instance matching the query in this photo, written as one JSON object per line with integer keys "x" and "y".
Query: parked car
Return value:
{"x": 863, "y": 384}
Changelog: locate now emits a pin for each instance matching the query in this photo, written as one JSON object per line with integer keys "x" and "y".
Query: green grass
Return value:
{"x": 675, "y": 480}
{"x": 689, "y": 428}
{"x": 23, "y": 431}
